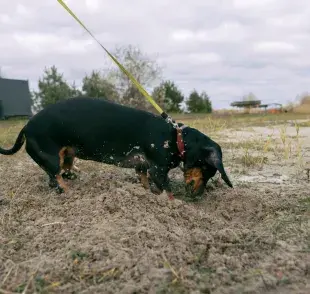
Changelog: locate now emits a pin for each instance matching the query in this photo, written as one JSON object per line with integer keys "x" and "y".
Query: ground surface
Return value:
{"x": 109, "y": 235}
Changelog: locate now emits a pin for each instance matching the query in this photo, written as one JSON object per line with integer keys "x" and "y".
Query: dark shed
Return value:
{"x": 15, "y": 99}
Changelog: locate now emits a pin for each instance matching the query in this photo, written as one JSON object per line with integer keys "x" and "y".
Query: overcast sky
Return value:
{"x": 225, "y": 47}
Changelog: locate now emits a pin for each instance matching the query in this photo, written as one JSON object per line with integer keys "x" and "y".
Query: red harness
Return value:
{"x": 181, "y": 148}
{"x": 180, "y": 142}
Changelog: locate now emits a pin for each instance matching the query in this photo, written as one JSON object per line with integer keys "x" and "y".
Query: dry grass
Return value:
{"x": 303, "y": 105}
{"x": 229, "y": 121}
{"x": 111, "y": 236}
{"x": 9, "y": 130}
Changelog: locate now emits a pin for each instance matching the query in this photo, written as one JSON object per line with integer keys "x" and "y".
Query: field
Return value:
{"x": 109, "y": 235}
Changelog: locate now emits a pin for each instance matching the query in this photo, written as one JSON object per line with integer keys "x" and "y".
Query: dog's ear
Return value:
{"x": 214, "y": 158}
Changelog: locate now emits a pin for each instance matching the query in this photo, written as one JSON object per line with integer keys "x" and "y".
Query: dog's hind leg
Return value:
{"x": 67, "y": 155}
{"x": 159, "y": 176}
{"x": 141, "y": 170}
{"x": 49, "y": 160}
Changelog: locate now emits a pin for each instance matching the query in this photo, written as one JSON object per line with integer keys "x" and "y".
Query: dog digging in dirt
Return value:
{"x": 103, "y": 131}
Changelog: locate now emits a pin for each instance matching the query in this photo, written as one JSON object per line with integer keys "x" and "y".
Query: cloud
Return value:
{"x": 227, "y": 47}
{"x": 40, "y": 43}
{"x": 275, "y": 48}
{"x": 227, "y": 32}
{"x": 254, "y": 4}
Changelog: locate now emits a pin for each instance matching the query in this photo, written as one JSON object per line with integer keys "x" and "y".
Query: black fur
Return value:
{"x": 107, "y": 132}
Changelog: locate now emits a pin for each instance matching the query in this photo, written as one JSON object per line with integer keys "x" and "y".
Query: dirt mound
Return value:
{"x": 111, "y": 236}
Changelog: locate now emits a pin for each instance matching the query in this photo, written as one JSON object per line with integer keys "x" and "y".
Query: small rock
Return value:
{"x": 140, "y": 192}
{"x": 121, "y": 191}
{"x": 269, "y": 281}
{"x": 176, "y": 203}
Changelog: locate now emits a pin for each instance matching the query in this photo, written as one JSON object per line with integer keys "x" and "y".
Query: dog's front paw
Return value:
{"x": 59, "y": 190}
{"x": 155, "y": 190}
{"x": 52, "y": 183}
{"x": 69, "y": 175}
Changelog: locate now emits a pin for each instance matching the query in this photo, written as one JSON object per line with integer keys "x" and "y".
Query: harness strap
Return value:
{"x": 180, "y": 142}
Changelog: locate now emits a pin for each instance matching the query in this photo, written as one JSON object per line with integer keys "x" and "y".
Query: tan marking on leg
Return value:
{"x": 154, "y": 188}
{"x": 194, "y": 174}
{"x": 62, "y": 157}
{"x": 69, "y": 158}
{"x": 61, "y": 183}
{"x": 66, "y": 158}
{"x": 144, "y": 181}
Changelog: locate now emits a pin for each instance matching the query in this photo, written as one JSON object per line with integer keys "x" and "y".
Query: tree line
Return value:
{"x": 115, "y": 86}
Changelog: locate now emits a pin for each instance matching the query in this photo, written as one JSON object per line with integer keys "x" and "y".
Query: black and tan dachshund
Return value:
{"x": 103, "y": 131}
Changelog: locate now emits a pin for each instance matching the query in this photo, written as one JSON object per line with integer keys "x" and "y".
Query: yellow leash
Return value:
{"x": 129, "y": 75}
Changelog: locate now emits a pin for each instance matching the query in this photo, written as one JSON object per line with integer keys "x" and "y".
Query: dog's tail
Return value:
{"x": 215, "y": 160}
{"x": 221, "y": 169}
{"x": 18, "y": 144}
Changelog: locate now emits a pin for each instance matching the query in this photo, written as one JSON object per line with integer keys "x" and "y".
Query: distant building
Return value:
{"x": 15, "y": 98}
{"x": 246, "y": 103}
{"x": 272, "y": 107}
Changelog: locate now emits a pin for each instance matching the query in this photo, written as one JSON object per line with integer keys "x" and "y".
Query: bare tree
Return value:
{"x": 144, "y": 69}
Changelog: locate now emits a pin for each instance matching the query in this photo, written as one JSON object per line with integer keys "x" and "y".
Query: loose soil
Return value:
{"x": 109, "y": 235}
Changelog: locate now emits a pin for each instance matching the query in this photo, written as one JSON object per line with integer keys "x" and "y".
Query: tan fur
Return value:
{"x": 62, "y": 183}
{"x": 194, "y": 174}
{"x": 144, "y": 180}
{"x": 67, "y": 152}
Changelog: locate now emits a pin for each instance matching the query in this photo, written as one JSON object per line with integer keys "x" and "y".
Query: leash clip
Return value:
{"x": 174, "y": 124}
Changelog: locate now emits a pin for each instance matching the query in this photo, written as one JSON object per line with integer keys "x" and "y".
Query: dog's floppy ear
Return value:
{"x": 214, "y": 159}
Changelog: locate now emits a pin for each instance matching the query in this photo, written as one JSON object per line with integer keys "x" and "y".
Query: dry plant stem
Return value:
{"x": 54, "y": 223}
